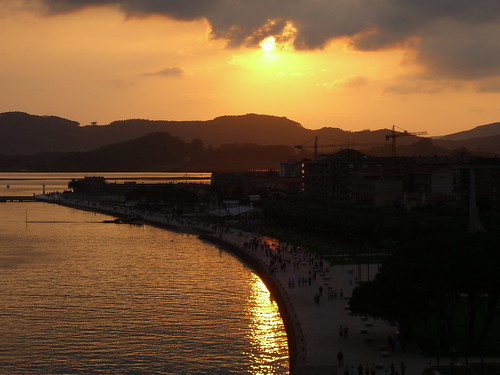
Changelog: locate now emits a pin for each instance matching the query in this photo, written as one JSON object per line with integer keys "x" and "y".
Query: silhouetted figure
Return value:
{"x": 346, "y": 331}
{"x": 316, "y": 299}
{"x": 341, "y": 331}
{"x": 390, "y": 342}
{"x": 403, "y": 368}
{"x": 340, "y": 358}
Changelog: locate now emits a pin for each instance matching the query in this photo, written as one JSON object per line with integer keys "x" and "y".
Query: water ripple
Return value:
{"x": 117, "y": 299}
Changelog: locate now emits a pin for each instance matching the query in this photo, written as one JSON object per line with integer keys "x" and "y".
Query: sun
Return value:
{"x": 268, "y": 43}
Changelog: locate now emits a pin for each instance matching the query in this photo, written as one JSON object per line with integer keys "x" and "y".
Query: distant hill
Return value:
{"x": 485, "y": 146}
{"x": 155, "y": 152}
{"x": 481, "y": 131}
{"x": 250, "y": 128}
{"x": 27, "y": 134}
{"x": 22, "y": 133}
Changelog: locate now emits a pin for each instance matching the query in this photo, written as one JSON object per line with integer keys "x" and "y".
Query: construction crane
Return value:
{"x": 315, "y": 146}
{"x": 395, "y": 134}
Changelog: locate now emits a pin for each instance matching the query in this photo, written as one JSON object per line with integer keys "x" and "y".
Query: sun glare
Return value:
{"x": 267, "y": 44}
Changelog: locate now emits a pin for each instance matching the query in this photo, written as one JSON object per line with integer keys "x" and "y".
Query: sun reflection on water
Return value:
{"x": 267, "y": 330}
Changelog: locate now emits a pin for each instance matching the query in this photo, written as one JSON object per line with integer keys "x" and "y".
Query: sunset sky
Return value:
{"x": 424, "y": 65}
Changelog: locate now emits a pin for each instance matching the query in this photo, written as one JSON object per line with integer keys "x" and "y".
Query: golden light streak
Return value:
{"x": 267, "y": 326}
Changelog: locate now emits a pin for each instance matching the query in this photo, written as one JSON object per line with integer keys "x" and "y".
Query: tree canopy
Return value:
{"x": 438, "y": 277}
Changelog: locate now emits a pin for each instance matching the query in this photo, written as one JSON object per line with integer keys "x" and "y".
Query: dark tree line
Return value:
{"x": 452, "y": 280}
{"x": 361, "y": 223}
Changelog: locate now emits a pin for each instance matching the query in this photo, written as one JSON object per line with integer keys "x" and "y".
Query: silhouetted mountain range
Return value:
{"x": 227, "y": 142}
{"x": 155, "y": 152}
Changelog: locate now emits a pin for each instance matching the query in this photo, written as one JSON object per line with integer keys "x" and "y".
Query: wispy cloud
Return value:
{"x": 347, "y": 83}
{"x": 173, "y": 71}
{"x": 409, "y": 89}
{"x": 352, "y": 82}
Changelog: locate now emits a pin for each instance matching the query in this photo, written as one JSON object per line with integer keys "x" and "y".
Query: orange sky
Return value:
{"x": 105, "y": 63}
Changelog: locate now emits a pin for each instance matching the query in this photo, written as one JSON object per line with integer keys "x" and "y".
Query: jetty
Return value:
{"x": 18, "y": 198}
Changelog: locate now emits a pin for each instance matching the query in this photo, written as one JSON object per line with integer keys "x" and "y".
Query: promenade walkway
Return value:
{"x": 316, "y": 295}
{"x": 366, "y": 346}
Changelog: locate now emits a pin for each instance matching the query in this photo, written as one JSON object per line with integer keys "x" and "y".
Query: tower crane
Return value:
{"x": 315, "y": 146}
{"x": 395, "y": 134}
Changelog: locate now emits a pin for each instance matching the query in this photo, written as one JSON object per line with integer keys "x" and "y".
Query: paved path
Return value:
{"x": 366, "y": 343}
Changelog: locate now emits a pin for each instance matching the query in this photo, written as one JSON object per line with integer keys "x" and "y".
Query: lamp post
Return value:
{"x": 442, "y": 324}
{"x": 359, "y": 269}
{"x": 368, "y": 264}
{"x": 453, "y": 353}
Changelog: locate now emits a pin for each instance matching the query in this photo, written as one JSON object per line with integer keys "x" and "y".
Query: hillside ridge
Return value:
{"x": 26, "y": 134}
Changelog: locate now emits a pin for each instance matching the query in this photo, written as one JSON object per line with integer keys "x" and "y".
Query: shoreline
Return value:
{"x": 205, "y": 232}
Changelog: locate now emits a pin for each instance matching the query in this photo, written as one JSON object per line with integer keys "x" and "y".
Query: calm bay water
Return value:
{"x": 78, "y": 296}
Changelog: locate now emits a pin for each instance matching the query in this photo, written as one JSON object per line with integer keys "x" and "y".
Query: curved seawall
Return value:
{"x": 276, "y": 289}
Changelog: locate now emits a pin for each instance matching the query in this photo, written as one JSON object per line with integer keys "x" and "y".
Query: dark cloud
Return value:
{"x": 454, "y": 38}
{"x": 456, "y": 50}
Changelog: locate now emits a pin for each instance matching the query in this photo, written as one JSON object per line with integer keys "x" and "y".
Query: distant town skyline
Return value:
{"x": 355, "y": 65}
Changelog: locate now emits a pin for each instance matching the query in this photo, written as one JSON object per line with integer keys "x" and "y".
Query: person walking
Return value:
{"x": 403, "y": 368}
{"x": 340, "y": 358}
{"x": 346, "y": 331}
